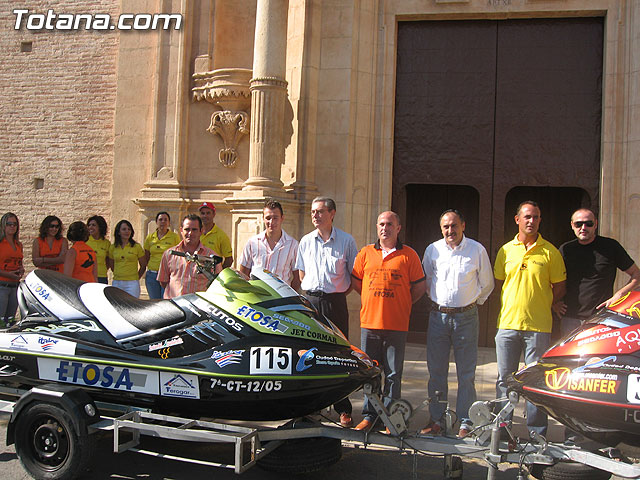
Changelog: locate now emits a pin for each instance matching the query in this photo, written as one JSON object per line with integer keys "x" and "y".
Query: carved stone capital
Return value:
{"x": 231, "y": 126}
{"x": 227, "y": 88}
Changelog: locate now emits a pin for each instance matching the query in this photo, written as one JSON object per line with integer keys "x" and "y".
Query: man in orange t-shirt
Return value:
{"x": 389, "y": 277}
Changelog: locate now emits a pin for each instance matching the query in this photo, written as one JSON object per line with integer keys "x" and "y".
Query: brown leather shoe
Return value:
{"x": 364, "y": 425}
{"x": 432, "y": 428}
{"x": 345, "y": 420}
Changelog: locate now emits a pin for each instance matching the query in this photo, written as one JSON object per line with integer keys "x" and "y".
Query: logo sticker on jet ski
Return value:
{"x": 71, "y": 327}
{"x": 37, "y": 343}
{"x": 270, "y": 360}
{"x": 170, "y": 342}
{"x": 306, "y": 359}
{"x": 37, "y": 288}
{"x": 20, "y": 342}
{"x": 261, "y": 319}
{"x": 180, "y": 385}
{"x": 96, "y": 375}
{"x": 561, "y": 378}
{"x": 230, "y": 357}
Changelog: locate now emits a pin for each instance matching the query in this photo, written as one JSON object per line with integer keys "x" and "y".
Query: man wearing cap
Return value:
{"x": 324, "y": 263}
{"x": 272, "y": 249}
{"x": 213, "y": 237}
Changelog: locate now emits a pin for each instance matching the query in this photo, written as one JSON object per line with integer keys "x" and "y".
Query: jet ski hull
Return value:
{"x": 590, "y": 380}
{"x": 214, "y": 354}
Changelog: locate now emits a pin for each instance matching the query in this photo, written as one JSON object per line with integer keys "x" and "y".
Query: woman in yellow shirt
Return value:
{"x": 124, "y": 257}
{"x": 154, "y": 246}
{"x": 97, "y": 232}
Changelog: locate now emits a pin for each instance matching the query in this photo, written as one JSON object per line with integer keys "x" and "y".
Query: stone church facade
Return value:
{"x": 407, "y": 104}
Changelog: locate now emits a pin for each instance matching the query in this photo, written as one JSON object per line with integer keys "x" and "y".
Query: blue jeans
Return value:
{"x": 154, "y": 289}
{"x": 460, "y": 331}
{"x": 8, "y": 304}
{"x": 132, "y": 287}
{"x": 509, "y": 346}
{"x": 387, "y": 347}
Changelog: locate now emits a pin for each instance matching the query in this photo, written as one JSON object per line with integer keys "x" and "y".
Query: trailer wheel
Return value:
{"x": 568, "y": 471}
{"x": 47, "y": 443}
{"x": 303, "y": 455}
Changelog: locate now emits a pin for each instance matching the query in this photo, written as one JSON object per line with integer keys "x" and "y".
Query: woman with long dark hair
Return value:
{"x": 11, "y": 269}
{"x": 125, "y": 255}
{"x": 80, "y": 261}
{"x": 97, "y": 226}
{"x": 49, "y": 249}
{"x": 154, "y": 246}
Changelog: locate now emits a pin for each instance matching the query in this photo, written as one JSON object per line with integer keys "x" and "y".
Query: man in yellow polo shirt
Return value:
{"x": 531, "y": 275}
{"x": 212, "y": 236}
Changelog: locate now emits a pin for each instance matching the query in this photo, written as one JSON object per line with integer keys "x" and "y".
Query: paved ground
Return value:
{"x": 356, "y": 463}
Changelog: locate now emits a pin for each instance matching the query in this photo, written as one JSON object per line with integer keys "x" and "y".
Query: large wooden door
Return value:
{"x": 489, "y": 113}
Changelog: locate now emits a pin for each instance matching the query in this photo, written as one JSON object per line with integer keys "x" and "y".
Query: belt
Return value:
{"x": 442, "y": 309}
{"x": 9, "y": 284}
{"x": 320, "y": 293}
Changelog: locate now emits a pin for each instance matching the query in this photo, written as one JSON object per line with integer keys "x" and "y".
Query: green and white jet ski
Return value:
{"x": 244, "y": 349}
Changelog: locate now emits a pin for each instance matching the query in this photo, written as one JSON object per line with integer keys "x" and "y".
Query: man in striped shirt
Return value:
{"x": 272, "y": 249}
{"x": 178, "y": 276}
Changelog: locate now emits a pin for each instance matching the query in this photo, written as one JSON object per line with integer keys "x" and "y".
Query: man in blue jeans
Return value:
{"x": 459, "y": 278}
{"x": 532, "y": 277}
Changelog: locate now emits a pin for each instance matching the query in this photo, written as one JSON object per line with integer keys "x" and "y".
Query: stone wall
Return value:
{"x": 56, "y": 118}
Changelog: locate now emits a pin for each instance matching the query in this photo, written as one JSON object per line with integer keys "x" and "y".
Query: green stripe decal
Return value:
{"x": 177, "y": 370}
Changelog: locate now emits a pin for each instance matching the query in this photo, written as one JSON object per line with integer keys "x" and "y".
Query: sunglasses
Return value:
{"x": 11, "y": 224}
{"x": 54, "y": 225}
{"x": 588, "y": 223}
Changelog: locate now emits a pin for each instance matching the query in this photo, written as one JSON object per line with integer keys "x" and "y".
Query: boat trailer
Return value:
{"x": 254, "y": 444}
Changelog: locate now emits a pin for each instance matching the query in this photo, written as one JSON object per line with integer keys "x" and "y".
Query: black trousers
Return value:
{"x": 334, "y": 307}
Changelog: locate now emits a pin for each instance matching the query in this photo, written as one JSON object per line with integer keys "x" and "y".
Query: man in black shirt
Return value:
{"x": 592, "y": 262}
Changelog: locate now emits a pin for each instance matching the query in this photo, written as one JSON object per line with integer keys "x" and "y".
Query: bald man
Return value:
{"x": 592, "y": 263}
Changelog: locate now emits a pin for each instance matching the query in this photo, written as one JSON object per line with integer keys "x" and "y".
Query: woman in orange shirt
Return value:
{"x": 11, "y": 269}
{"x": 80, "y": 261}
{"x": 50, "y": 247}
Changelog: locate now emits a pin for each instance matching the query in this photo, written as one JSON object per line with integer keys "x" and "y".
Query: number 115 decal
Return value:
{"x": 270, "y": 360}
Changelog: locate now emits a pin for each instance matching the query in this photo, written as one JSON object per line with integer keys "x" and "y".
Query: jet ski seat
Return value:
{"x": 124, "y": 315}
{"x": 58, "y": 293}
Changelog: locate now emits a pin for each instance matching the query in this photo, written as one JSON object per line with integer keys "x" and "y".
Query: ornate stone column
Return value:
{"x": 268, "y": 95}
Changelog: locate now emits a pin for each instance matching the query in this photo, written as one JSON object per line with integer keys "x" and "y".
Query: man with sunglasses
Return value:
{"x": 592, "y": 263}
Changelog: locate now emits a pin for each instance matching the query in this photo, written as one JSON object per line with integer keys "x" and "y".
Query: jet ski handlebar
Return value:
{"x": 206, "y": 264}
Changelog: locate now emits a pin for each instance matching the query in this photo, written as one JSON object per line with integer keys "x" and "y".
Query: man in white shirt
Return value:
{"x": 459, "y": 277}
{"x": 272, "y": 249}
{"x": 325, "y": 260}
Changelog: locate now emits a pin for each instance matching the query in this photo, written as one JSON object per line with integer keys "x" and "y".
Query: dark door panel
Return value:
{"x": 488, "y": 112}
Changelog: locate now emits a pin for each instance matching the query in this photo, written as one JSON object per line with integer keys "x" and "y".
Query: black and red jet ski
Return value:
{"x": 590, "y": 380}
{"x": 245, "y": 349}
